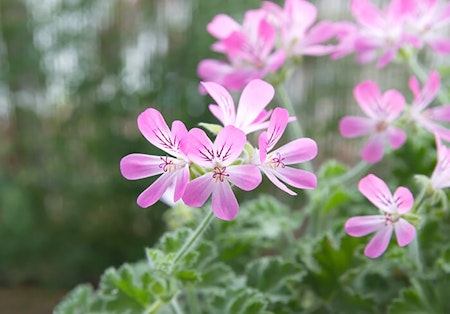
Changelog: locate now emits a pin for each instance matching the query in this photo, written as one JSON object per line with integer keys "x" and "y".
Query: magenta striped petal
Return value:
{"x": 154, "y": 192}
{"x": 138, "y": 166}
{"x": 201, "y": 149}
{"x": 198, "y": 190}
{"x": 296, "y": 177}
{"x": 245, "y": 177}
{"x": 404, "y": 232}
{"x": 376, "y": 191}
{"x": 270, "y": 173}
{"x": 229, "y": 144}
{"x": 403, "y": 199}
{"x": 277, "y": 125}
{"x": 181, "y": 182}
{"x": 152, "y": 125}
{"x": 224, "y": 202}
{"x": 297, "y": 151}
{"x": 363, "y": 225}
{"x": 223, "y": 100}
{"x": 379, "y": 243}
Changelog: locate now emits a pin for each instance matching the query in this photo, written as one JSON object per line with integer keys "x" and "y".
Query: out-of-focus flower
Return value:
{"x": 377, "y": 32}
{"x": 426, "y": 23}
{"x": 250, "y": 115}
{"x": 174, "y": 170}
{"x": 382, "y": 110}
{"x": 248, "y": 48}
{"x": 295, "y": 23}
{"x": 392, "y": 208}
{"x": 274, "y": 164}
{"x": 441, "y": 175}
{"x": 217, "y": 158}
{"x": 429, "y": 118}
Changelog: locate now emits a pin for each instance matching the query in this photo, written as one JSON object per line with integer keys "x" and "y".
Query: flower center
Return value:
{"x": 391, "y": 218}
{"x": 381, "y": 126}
{"x": 277, "y": 161}
{"x": 167, "y": 164}
{"x": 219, "y": 173}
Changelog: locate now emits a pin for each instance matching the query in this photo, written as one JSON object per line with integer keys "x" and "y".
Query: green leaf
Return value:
{"x": 78, "y": 301}
{"x": 241, "y": 301}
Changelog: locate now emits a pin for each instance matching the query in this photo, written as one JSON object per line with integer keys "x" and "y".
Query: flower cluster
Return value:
{"x": 196, "y": 167}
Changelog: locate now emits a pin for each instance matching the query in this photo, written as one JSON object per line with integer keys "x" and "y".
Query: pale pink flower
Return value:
{"x": 378, "y": 32}
{"x": 174, "y": 169}
{"x": 217, "y": 159}
{"x": 249, "y": 50}
{"x": 441, "y": 175}
{"x": 382, "y": 110}
{"x": 250, "y": 115}
{"x": 274, "y": 164}
{"x": 426, "y": 25}
{"x": 430, "y": 118}
{"x": 295, "y": 23}
{"x": 392, "y": 208}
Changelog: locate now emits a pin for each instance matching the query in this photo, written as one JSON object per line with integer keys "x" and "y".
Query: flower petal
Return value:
{"x": 229, "y": 144}
{"x": 154, "y": 192}
{"x": 404, "y": 232}
{"x": 198, "y": 190}
{"x": 254, "y": 98}
{"x": 379, "y": 242}
{"x": 403, "y": 199}
{"x": 373, "y": 151}
{"x": 263, "y": 143}
{"x": 376, "y": 191}
{"x": 181, "y": 180}
{"x": 297, "y": 151}
{"x": 393, "y": 104}
{"x": 223, "y": 100}
{"x": 366, "y": 13}
{"x": 368, "y": 96}
{"x": 224, "y": 202}
{"x": 245, "y": 177}
{"x": 201, "y": 149}
{"x": 396, "y": 137}
{"x": 363, "y": 225}
{"x": 222, "y": 26}
{"x": 277, "y": 125}
{"x": 296, "y": 177}
{"x": 355, "y": 126}
{"x": 152, "y": 125}
{"x": 138, "y": 166}
{"x": 270, "y": 173}
{"x": 440, "y": 113}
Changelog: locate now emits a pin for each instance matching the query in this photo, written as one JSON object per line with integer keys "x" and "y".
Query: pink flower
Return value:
{"x": 251, "y": 115}
{"x": 441, "y": 175}
{"x": 275, "y": 163}
{"x": 217, "y": 159}
{"x": 429, "y": 118}
{"x": 377, "y": 31}
{"x": 382, "y": 110}
{"x": 294, "y": 22}
{"x": 249, "y": 50}
{"x": 392, "y": 207}
{"x": 174, "y": 170}
{"x": 426, "y": 25}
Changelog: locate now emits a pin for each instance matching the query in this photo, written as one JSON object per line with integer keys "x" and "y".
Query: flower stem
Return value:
{"x": 154, "y": 307}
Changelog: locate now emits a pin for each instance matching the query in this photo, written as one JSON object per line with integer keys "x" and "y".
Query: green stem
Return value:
{"x": 295, "y": 128}
{"x": 415, "y": 253}
{"x": 154, "y": 307}
{"x": 175, "y": 306}
{"x": 190, "y": 243}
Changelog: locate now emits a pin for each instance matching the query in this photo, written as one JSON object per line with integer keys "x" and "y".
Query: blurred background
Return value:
{"x": 74, "y": 75}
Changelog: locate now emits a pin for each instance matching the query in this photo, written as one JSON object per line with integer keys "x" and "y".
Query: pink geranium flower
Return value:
{"x": 217, "y": 159}
{"x": 441, "y": 175}
{"x": 426, "y": 25}
{"x": 382, "y": 110}
{"x": 429, "y": 118}
{"x": 378, "y": 32}
{"x": 295, "y": 23}
{"x": 275, "y": 163}
{"x": 392, "y": 208}
{"x": 174, "y": 169}
{"x": 249, "y": 50}
{"x": 250, "y": 115}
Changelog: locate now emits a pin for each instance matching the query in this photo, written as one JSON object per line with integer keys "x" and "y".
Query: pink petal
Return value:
{"x": 138, "y": 166}
{"x": 213, "y": 70}
{"x": 181, "y": 182}
{"x": 441, "y": 46}
{"x": 245, "y": 177}
{"x": 429, "y": 91}
{"x": 277, "y": 125}
{"x": 224, "y": 202}
{"x": 355, "y": 126}
{"x": 223, "y": 100}
{"x": 275, "y": 61}
{"x": 363, "y": 225}
{"x": 379, "y": 242}
{"x": 319, "y": 50}
{"x": 179, "y": 132}
{"x": 403, "y": 199}
{"x": 366, "y": 13}
{"x": 399, "y": 9}
{"x": 373, "y": 151}
{"x": 266, "y": 38}
{"x": 198, "y": 190}
{"x": 254, "y": 98}
{"x": 396, "y": 136}
{"x": 368, "y": 96}
{"x": 222, "y": 26}
{"x": 303, "y": 13}
{"x": 393, "y": 104}
{"x": 376, "y": 191}
{"x": 405, "y": 232}
{"x": 201, "y": 149}
{"x": 296, "y": 177}
{"x": 263, "y": 143}
{"x": 440, "y": 113}
{"x": 319, "y": 33}
{"x": 154, "y": 192}
{"x": 152, "y": 125}
{"x": 229, "y": 144}
{"x": 300, "y": 150}
{"x": 270, "y": 173}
